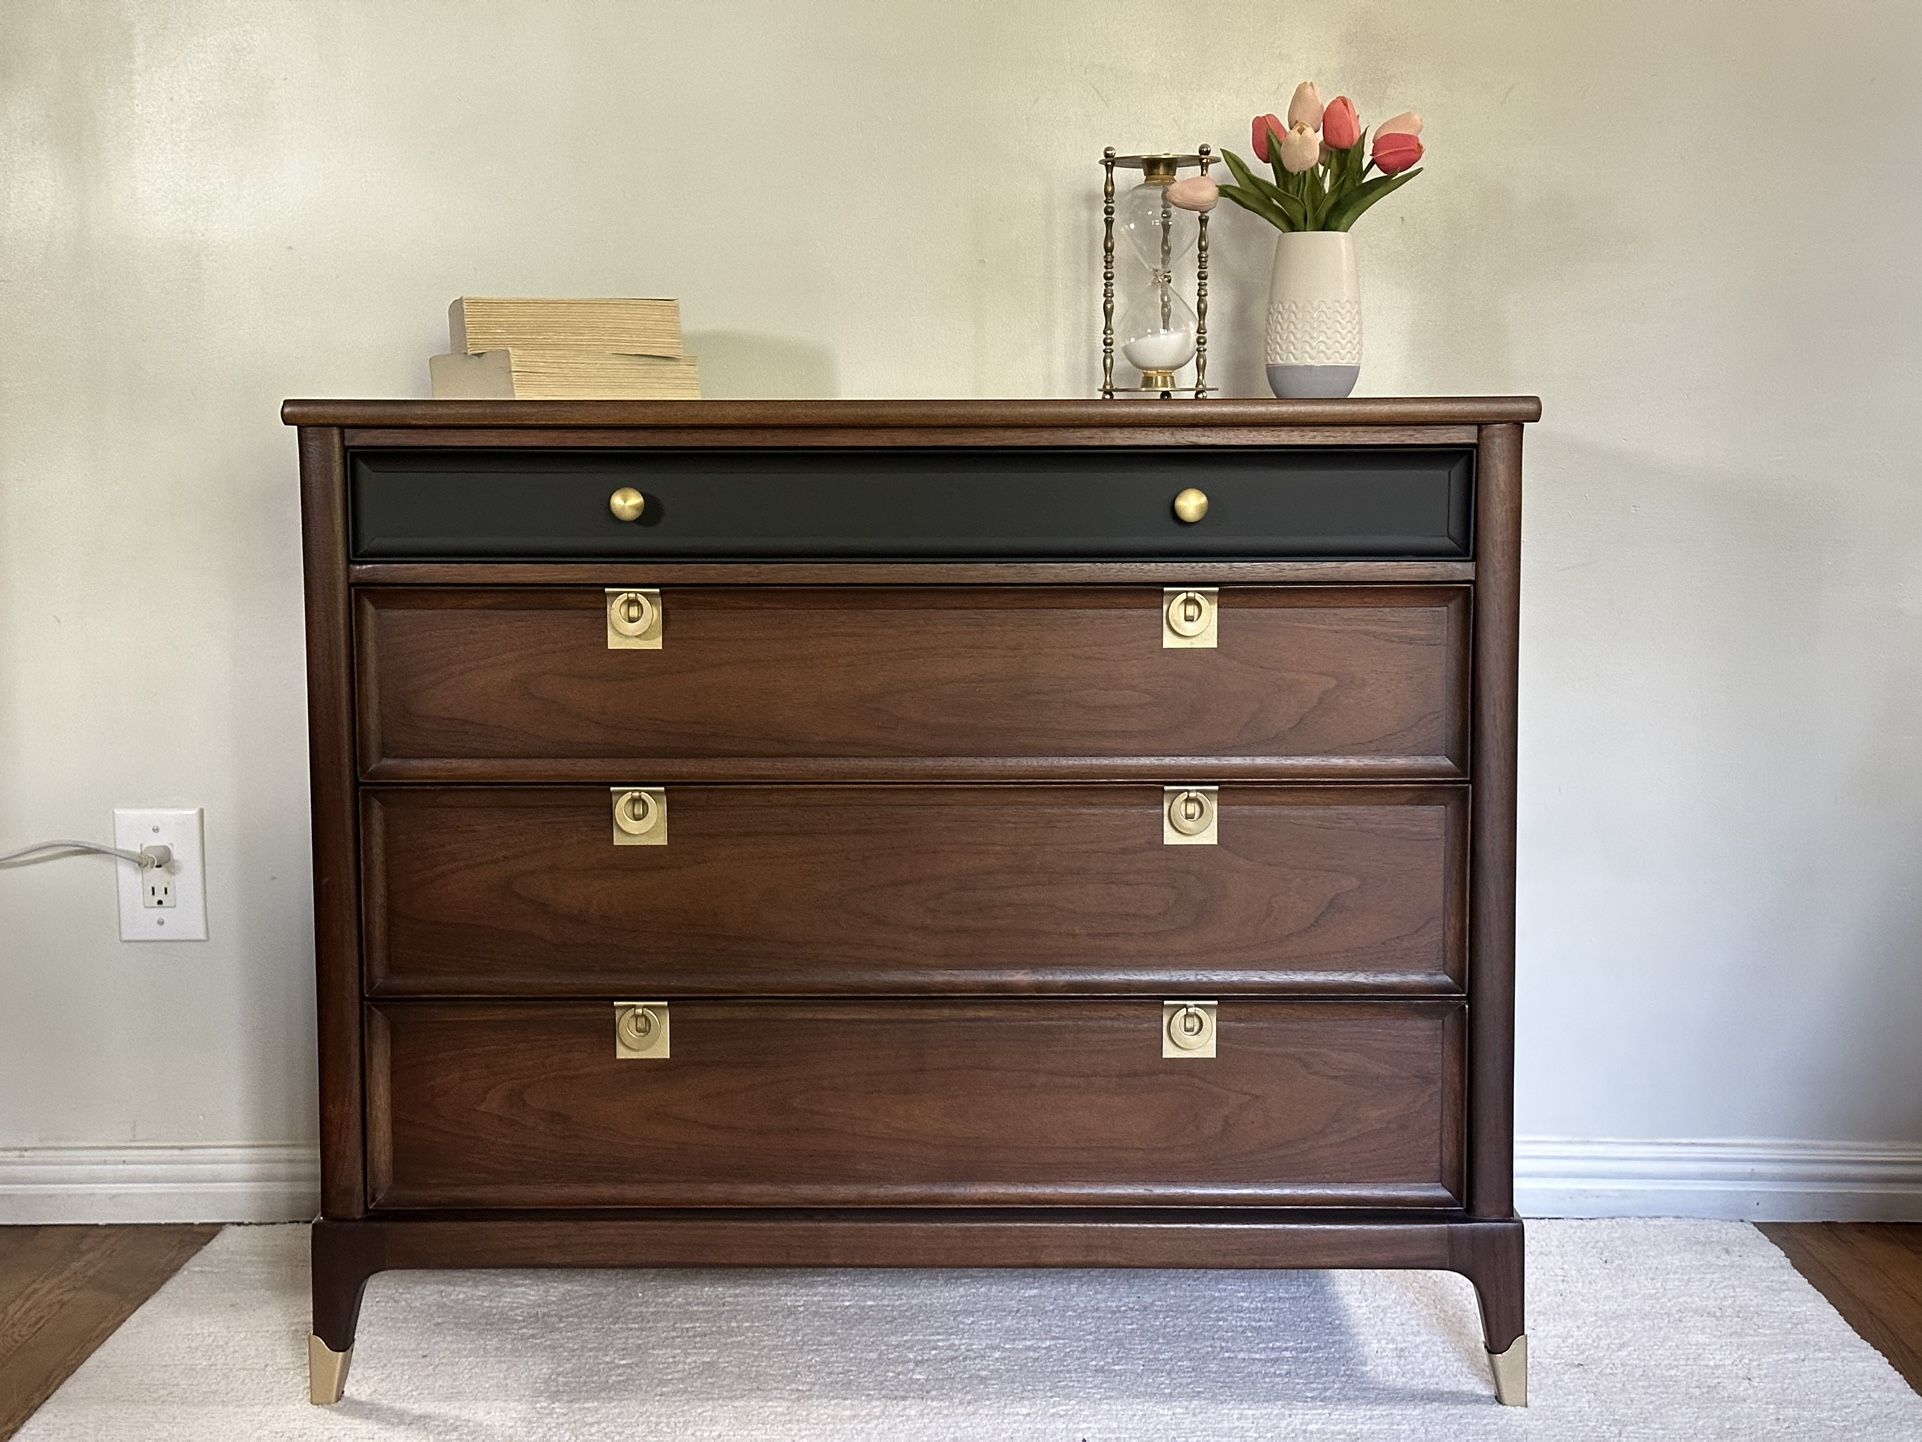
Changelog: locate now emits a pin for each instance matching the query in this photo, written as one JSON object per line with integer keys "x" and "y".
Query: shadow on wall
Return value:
{"x": 741, "y": 365}
{"x": 1721, "y": 804}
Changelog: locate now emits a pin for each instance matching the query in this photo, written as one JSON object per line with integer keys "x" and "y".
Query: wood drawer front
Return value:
{"x": 911, "y": 683}
{"x": 828, "y": 890}
{"x": 914, "y": 1103}
{"x": 909, "y": 503}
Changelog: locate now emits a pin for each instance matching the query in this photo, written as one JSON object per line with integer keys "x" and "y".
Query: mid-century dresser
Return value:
{"x": 1025, "y": 833}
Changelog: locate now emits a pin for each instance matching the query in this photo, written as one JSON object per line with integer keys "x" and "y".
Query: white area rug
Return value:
{"x": 1636, "y": 1330}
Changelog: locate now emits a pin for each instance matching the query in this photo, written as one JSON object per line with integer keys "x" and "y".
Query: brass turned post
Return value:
{"x": 1201, "y": 290}
{"x": 1107, "y": 274}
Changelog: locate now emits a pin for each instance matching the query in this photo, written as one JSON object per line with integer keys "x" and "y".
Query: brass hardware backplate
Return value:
{"x": 633, "y": 620}
{"x": 1188, "y": 815}
{"x": 640, "y": 815}
{"x": 1187, "y": 1029}
{"x": 640, "y": 1030}
{"x": 1188, "y": 617}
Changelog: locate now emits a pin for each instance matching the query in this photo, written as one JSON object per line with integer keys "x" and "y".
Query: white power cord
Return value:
{"x": 146, "y": 858}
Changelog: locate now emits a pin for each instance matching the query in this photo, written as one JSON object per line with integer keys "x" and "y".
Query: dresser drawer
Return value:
{"x": 906, "y": 503}
{"x": 881, "y": 683}
{"x": 914, "y": 1103}
{"x": 825, "y": 890}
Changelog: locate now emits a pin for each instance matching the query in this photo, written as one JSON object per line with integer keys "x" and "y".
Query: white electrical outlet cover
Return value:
{"x": 179, "y": 831}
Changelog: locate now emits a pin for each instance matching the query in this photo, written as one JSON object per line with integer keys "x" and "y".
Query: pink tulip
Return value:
{"x": 1407, "y": 123}
{"x": 1340, "y": 125}
{"x": 1264, "y": 124}
{"x": 1300, "y": 149}
{"x": 1197, "y": 192}
{"x": 1305, "y": 108}
{"x": 1395, "y": 151}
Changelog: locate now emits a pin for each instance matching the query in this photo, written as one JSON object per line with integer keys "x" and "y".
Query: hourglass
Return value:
{"x": 1158, "y": 332}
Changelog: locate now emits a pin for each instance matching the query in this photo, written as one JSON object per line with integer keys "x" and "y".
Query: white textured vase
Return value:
{"x": 1314, "y": 315}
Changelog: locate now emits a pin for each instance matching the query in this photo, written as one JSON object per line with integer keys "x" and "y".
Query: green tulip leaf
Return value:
{"x": 1276, "y": 197}
{"x": 1256, "y": 204}
{"x": 1365, "y": 195}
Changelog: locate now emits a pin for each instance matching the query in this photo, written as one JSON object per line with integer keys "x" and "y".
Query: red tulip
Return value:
{"x": 1263, "y": 125}
{"x": 1396, "y": 151}
{"x": 1340, "y": 125}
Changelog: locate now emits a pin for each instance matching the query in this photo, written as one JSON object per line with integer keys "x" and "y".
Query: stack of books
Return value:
{"x": 537, "y": 349}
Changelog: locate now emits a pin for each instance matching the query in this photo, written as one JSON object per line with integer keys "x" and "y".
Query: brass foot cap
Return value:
{"x": 326, "y": 1372}
{"x": 1511, "y": 1373}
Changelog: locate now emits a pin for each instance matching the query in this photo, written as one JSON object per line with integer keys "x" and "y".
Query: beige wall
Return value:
{"x": 1690, "y": 227}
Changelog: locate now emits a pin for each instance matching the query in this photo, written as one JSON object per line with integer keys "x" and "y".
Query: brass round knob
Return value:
{"x": 636, "y": 814}
{"x": 628, "y": 503}
{"x": 1191, "y": 505}
{"x": 1191, "y": 1028}
{"x": 1189, "y": 812}
{"x": 631, "y": 613}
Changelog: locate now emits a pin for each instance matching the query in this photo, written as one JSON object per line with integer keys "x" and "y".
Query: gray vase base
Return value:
{"x": 1292, "y": 382}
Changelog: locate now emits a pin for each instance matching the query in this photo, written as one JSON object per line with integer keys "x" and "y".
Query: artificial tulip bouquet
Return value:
{"x": 1321, "y": 163}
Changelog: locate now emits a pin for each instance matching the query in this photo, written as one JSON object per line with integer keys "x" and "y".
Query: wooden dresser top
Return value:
{"x": 1040, "y": 415}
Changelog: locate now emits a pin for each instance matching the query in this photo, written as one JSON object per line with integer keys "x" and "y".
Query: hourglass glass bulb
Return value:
{"x": 1159, "y": 231}
{"x": 1157, "y": 332}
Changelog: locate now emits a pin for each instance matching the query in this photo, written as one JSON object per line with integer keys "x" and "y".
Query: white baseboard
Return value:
{"x": 1728, "y": 1180}
{"x": 1755, "y": 1181}
{"x": 155, "y": 1183}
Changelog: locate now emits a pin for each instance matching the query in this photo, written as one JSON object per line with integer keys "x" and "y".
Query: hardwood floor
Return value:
{"x": 1871, "y": 1272}
{"x": 63, "y": 1291}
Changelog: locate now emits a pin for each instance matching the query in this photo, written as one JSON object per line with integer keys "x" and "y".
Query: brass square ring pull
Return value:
{"x": 640, "y": 815}
{"x": 1187, "y": 1029}
{"x": 633, "y": 620}
{"x": 640, "y": 1030}
{"x": 1188, "y": 815}
{"x": 1188, "y": 617}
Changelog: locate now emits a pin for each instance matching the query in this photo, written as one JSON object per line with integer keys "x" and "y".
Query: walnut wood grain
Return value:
{"x": 335, "y": 816}
{"x": 832, "y": 684}
{"x": 1491, "y": 975}
{"x": 791, "y": 891}
{"x": 944, "y": 1237}
{"x": 1105, "y": 416}
{"x": 916, "y": 1102}
{"x": 909, "y": 573}
{"x": 589, "y": 437}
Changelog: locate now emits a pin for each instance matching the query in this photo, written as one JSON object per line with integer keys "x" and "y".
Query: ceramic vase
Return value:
{"x": 1314, "y": 315}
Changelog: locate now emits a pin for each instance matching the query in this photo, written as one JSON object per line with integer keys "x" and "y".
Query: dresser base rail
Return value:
{"x": 1487, "y": 1252}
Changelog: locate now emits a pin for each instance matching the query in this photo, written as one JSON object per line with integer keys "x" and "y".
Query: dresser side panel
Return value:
{"x": 1491, "y": 955}
{"x": 330, "y": 729}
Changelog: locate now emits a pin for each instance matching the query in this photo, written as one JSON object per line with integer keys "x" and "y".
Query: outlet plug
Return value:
{"x": 162, "y": 903}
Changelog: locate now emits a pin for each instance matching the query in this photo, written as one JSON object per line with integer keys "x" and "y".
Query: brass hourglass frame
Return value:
{"x": 1153, "y": 167}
